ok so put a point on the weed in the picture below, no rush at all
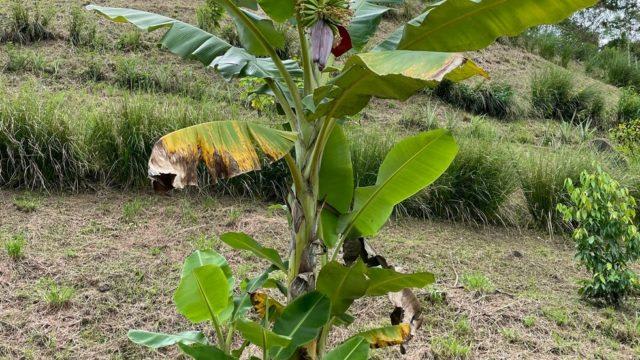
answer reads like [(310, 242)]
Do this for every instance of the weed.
[(203, 241), (95, 70), (422, 119), (529, 321), (511, 335), (82, 29), (496, 100), (26, 203), (209, 15), (449, 347), (435, 295), (131, 209), (55, 295), (477, 282), (130, 41), (27, 25), (15, 246), (628, 105), (462, 327), (558, 315), (23, 60)]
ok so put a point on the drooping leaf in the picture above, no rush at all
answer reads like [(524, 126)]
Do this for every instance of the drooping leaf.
[(410, 166), (207, 257), (242, 241), (159, 340), (259, 336), (383, 281), (191, 42), (364, 23), (301, 320), (336, 172), (278, 10), (228, 149), (456, 26), (342, 284), (388, 75), (202, 294), (204, 352), (259, 300), (386, 336), (356, 348)]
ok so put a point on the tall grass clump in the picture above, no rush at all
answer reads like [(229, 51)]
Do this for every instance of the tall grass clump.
[(473, 189), (628, 105), (26, 24), (495, 99), (622, 70), (82, 29), (542, 177), (209, 16), (554, 96), (38, 147), (24, 60)]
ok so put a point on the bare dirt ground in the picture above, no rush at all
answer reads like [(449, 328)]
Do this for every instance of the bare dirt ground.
[(121, 253)]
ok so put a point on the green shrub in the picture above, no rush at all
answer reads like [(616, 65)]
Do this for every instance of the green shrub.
[(621, 71), (496, 100), (476, 185), (627, 135), (553, 96), (209, 15), (628, 105), (607, 241), (27, 25)]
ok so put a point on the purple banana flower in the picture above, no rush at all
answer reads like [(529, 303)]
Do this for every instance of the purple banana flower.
[(321, 43)]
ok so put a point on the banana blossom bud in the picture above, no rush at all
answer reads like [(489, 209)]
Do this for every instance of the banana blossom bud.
[(321, 43)]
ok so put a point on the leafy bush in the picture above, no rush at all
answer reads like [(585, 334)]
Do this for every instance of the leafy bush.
[(496, 100), (628, 105), (607, 240), (627, 135), (553, 95), (209, 15), (27, 25)]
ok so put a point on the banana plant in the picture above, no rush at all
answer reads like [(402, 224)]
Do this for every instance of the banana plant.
[(339, 69)]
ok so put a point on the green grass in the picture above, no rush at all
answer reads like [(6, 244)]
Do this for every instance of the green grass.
[(55, 295), (558, 315), (26, 203), (628, 105), (449, 348), (15, 246), (477, 282), (492, 99)]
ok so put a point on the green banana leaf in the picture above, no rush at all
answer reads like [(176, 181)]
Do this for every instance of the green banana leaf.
[(384, 281), (203, 294), (356, 348), (387, 75), (301, 320), (456, 26), (228, 149), (260, 336), (207, 257), (159, 340), (342, 284), (204, 352), (336, 171), (364, 23), (278, 10), (242, 241), (411, 165)]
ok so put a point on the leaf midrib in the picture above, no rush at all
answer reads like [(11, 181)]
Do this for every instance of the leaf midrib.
[(304, 318)]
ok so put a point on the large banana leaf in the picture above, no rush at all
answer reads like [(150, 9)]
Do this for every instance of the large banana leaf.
[(342, 284), (278, 10), (465, 25), (336, 171), (248, 38), (228, 149), (202, 294), (260, 336), (207, 257), (367, 15), (356, 348), (388, 75), (301, 320), (410, 166), (191, 42), (159, 340)]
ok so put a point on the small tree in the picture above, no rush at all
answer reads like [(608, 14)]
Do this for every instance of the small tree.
[(606, 238), (328, 214)]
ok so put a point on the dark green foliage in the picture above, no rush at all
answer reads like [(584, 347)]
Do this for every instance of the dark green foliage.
[(495, 99), (27, 25), (554, 96), (623, 71), (627, 135), (607, 241), (628, 105)]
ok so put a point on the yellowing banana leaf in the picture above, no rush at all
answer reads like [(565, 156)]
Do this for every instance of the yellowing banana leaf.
[(456, 26), (228, 149), (387, 336), (388, 75), (411, 165), (259, 301)]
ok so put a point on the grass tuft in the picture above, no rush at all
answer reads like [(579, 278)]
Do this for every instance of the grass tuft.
[(15, 247)]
